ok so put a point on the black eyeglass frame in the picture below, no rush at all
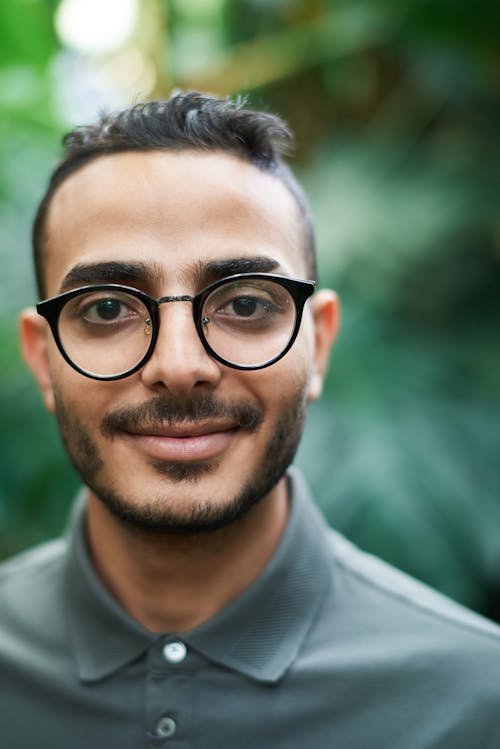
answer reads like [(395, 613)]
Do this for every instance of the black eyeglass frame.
[(298, 289)]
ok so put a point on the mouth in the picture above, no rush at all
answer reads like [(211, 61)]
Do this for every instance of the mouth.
[(183, 442)]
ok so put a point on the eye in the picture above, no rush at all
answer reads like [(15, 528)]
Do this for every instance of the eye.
[(250, 307), (104, 309), (247, 306), (248, 301)]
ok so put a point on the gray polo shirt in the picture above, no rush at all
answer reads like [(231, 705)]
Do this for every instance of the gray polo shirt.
[(329, 647)]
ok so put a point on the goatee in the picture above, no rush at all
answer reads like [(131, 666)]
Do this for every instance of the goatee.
[(159, 514)]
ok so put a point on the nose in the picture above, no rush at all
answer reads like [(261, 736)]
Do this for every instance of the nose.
[(179, 361)]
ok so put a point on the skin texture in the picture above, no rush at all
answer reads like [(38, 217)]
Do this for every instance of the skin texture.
[(184, 459)]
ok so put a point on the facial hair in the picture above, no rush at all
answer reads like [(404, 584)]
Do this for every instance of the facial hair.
[(158, 514)]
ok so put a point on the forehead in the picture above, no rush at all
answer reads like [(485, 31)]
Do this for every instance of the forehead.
[(174, 211)]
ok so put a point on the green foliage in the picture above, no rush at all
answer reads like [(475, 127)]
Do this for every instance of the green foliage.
[(396, 109)]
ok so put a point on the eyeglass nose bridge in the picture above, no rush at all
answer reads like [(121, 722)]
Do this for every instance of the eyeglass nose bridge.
[(183, 298), (153, 322)]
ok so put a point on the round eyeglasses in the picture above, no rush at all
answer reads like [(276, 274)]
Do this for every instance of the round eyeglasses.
[(109, 331)]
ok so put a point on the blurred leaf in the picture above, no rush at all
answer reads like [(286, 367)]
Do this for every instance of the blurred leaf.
[(26, 33)]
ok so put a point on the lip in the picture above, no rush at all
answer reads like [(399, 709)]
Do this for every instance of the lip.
[(183, 443)]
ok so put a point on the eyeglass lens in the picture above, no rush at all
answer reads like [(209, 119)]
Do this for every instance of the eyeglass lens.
[(105, 332), (246, 323)]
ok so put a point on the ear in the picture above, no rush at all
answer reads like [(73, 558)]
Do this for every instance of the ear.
[(325, 308), (34, 334)]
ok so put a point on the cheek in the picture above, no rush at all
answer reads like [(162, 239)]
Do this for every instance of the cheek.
[(298, 364), (284, 383), (307, 354), (81, 398)]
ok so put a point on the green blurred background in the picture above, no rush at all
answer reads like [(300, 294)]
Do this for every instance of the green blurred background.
[(395, 104)]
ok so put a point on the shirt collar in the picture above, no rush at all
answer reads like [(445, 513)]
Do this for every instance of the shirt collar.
[(259, 634), (104, 637)]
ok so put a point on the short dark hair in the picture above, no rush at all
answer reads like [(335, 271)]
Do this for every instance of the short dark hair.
[(188, 120)]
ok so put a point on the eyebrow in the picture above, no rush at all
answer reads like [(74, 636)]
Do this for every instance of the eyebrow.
[(110, 272), (130, 273), (213, 270)]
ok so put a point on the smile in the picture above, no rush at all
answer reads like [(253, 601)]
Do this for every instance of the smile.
[(183, 443)]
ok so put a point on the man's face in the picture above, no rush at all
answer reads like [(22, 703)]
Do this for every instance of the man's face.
[(186, 442)]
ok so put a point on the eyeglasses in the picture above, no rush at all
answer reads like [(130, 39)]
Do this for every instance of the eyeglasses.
[(109, 331)]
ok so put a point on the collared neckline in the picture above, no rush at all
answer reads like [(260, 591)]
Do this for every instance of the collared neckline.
[(259, 634)]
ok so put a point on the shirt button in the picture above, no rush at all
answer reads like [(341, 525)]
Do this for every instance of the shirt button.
[(174, 652), (166, 727)]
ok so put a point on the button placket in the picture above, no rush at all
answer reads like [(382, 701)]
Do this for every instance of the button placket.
[(169, 684)]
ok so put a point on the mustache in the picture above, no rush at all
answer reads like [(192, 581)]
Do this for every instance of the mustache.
[(162, 410)]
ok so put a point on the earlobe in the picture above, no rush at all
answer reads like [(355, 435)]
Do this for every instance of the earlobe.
[(34, 346), (326, 319)]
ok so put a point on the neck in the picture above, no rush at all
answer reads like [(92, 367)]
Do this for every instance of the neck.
[(172, 583)]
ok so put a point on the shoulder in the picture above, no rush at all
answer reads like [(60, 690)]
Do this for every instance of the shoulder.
[(31, 584), (396, 593), (36, 561), (373, 605), (35, 644), (33, 622), (421, 669)]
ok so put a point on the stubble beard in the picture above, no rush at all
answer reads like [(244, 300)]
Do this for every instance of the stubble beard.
[(159, 514)]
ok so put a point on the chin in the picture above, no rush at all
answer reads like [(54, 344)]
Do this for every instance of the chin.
[(195, 516)]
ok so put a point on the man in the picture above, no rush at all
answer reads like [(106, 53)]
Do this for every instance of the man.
[(199, 599)]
